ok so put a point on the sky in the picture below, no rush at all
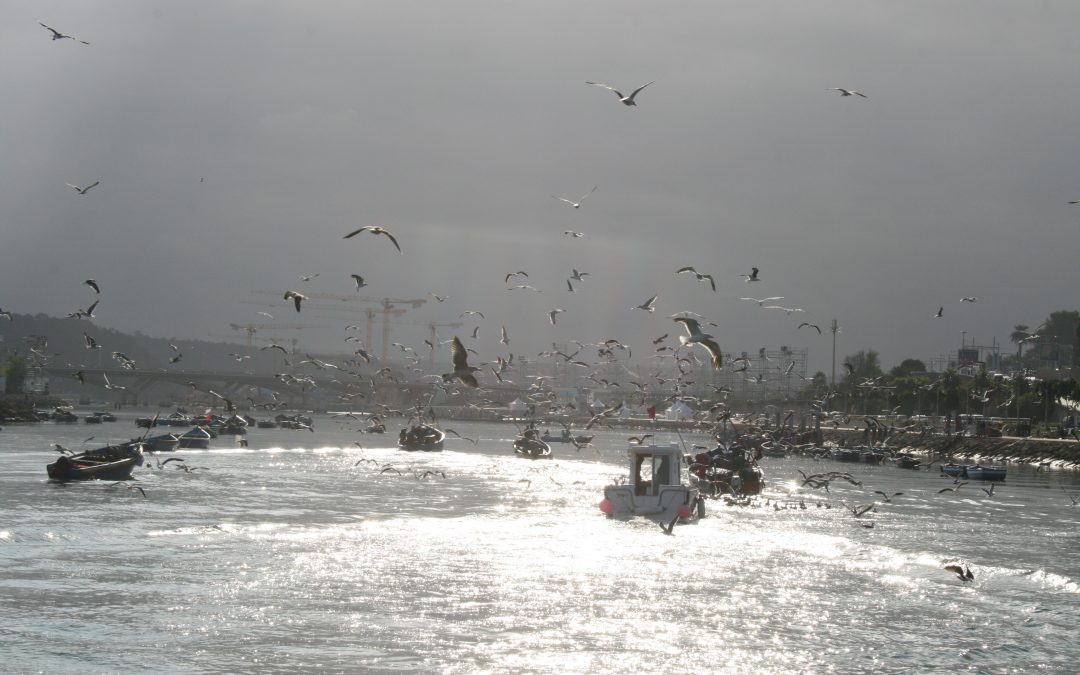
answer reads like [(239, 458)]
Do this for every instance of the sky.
[(237, 142)]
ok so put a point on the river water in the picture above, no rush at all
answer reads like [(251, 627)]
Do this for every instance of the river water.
[(299, 553)]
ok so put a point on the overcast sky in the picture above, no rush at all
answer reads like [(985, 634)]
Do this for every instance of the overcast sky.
[(237, 142)]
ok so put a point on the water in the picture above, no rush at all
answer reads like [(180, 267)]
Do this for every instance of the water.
[(288, 555)]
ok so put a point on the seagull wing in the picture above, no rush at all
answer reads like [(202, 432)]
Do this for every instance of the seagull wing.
[(392, 239), (714, 351), (356, 232), (601, 84), (692, 326), (587, 194), (635, 92), (94, 184), (460, 356), (681, 270)]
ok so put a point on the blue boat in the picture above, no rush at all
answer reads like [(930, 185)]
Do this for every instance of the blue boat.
[(980, 472)]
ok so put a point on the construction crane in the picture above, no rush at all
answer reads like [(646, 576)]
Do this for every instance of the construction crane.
[(388, 308), (251, 328)]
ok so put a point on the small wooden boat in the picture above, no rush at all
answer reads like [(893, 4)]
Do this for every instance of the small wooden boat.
[(721, 472), (531, 447), (655, 487), (421, 437), (113, 462), (980, 472), (93, 418), (198, 438), (162, 443), (908, 462), (953, 470)]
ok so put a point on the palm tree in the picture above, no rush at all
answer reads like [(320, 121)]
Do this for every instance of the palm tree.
[(1019, 334)]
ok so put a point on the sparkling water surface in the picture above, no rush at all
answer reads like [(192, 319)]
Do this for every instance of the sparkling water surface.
[(300, 552)]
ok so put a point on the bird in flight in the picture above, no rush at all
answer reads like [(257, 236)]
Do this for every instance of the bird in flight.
[(573, 235), (753, 276), (847, 92), (110, 386), (295, 297), (554, 313), (469, 312), (940, 313), (360, 283), (375, 229), (971, 299), (519, 273), (649, 305), (92, 284), (577, 204), (761, 302), (57, 35), (439, 298), (812, 325), (83, 190), (462, 370), (699, 275), (964, 573), (268, 315), (625, 100), (578, 276), (307, 277), (697, 337)]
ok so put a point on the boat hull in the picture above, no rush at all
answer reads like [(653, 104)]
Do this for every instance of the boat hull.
[(80, 468), (530, 448)]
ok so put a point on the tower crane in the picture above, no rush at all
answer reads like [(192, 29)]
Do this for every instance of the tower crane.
[(388, 307)]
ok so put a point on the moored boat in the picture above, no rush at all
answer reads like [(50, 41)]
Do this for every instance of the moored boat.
[(530, 446), (721, 472), (655, 487), (421, 437), (113, 462), (564, 437), (162, 443), (197, 437), (980, 472), (908, 461), (953, 470)]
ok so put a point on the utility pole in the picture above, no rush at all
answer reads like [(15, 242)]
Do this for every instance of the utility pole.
[(834, 329)]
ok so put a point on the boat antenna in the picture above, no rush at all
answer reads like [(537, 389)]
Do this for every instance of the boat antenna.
[(681, 441)]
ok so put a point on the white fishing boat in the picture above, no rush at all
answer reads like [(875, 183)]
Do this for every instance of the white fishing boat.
[(655, 488)]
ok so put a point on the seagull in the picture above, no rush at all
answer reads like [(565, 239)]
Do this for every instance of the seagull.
[(83, 190), (888, 498), (700, 276), (789, 310), (648, 305), (471, 311), (268, 315), (295, 297), (761, 302), (553, 313), (990, 492), (524, 287), (572, 234), (570, 286), (753, 276), (110, 386), (375, 229), (130, 487), (812, 325), (964, 574), (57, 35), (940, 313), (92, 284), (308, 277), (462, 370), (578, 276), (669, 529), (697, 337), (80, 376), (6, 315), (847, 92), (505, 337), (360, 283), (971, 299), (438, 298), (521, 273), (577, 204), (639, 440), (91, 343), (625, 100)]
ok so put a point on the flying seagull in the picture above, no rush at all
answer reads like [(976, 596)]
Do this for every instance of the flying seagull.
[(761, 302), (360, 283), (92, 284), (438, 298), (700, 276), (697, 337), (462, 370), (753, 276), (964, 573), (57, 35), (940, 313), (577, 204), (971, 299), (812, 325), (375, 229), (553, 313), (574, 235), (295, 297), (83, 190), (578, 276), (847, 92), (521, 273), (625, 100), (648, 305)]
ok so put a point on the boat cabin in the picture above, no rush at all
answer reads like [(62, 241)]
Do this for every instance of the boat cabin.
[(654, 486)]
